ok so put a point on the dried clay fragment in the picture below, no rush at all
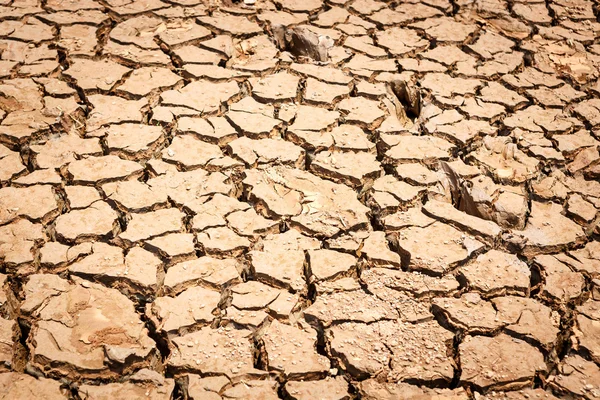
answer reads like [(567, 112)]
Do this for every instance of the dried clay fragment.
[(301, 42)]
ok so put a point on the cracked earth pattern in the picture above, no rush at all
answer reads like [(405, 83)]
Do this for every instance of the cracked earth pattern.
[(188, 211)]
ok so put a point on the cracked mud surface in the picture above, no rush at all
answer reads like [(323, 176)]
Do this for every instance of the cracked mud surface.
[(285, 199)]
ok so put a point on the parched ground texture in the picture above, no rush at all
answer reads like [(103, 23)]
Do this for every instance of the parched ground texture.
[(188, 211)]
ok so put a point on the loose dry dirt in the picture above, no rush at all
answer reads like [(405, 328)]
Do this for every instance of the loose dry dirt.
[(297, 199)]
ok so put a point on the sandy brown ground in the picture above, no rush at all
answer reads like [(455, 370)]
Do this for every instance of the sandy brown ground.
[(195, 206)]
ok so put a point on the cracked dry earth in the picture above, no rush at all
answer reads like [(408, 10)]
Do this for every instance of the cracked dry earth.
[(195, 206)]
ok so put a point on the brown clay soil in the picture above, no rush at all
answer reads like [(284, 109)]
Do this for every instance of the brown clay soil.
[(298, 199)]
